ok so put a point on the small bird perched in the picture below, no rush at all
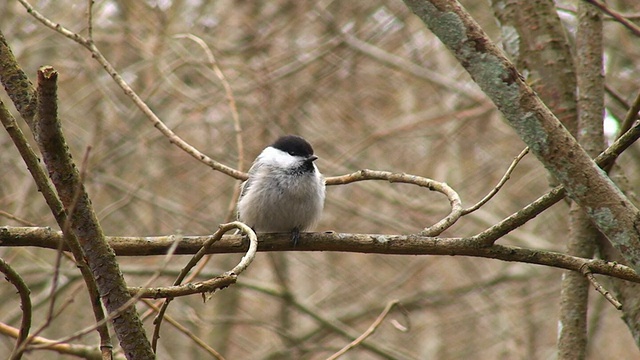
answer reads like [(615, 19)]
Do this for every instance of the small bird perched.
[(285, 191)]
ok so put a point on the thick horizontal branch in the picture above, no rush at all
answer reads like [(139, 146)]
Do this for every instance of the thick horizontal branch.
[(329, 241)]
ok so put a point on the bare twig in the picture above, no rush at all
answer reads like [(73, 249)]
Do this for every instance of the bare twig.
[(198, 341), (616, 15), (206, 286), (500, 184), (372, 328), (573, 11), (80, 351), (586, 271), (90, 4), (617, 97), (441, 187), (52, 292), (334, 325), (631, 116), (51, 314), (17, 219), (490, 235)]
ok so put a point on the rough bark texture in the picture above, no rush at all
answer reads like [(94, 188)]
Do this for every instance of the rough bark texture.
[(18, 86), (572, 339), (624, 291), (23, 94), (83, 221), (572, 327), (534, 38), (614, 215)]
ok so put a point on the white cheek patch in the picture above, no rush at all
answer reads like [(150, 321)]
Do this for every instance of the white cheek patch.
[(273, 156)]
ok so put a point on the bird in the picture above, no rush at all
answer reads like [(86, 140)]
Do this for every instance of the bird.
[(285, 191)]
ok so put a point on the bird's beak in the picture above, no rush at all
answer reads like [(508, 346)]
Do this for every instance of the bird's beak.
[(312, 158)]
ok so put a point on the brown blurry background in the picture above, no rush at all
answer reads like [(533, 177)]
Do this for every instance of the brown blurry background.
[(370, 87)]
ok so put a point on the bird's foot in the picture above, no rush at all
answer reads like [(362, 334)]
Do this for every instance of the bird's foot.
[(295, 236)]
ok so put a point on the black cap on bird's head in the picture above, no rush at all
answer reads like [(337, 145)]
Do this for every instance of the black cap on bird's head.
[(294, 145)]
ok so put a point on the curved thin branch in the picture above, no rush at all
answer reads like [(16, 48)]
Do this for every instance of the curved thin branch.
[(25, 304), (223, 281), (237, 127), (433, 230), (228, 92), (251, 253), (79, 351)]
